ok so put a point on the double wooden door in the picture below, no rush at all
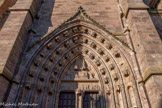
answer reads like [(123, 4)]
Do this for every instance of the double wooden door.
[(90, 100), (67, 100)]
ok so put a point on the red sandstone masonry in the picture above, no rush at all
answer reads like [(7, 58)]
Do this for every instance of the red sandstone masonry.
[(148, 48), (12, 37), (104, 12)]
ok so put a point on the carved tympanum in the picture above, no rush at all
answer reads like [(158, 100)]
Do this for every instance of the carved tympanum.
[(80, 70)]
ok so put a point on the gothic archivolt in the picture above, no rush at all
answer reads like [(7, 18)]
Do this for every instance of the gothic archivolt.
[(82, 59)]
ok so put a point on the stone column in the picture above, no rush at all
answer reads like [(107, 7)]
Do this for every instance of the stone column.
[(148, 51), (79, 98)]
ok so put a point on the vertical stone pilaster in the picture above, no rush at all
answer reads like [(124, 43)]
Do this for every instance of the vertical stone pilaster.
[(13, 36), (79, 98), (148, 48)]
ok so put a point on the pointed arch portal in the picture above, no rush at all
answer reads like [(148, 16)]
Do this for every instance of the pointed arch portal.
[(82, 65)]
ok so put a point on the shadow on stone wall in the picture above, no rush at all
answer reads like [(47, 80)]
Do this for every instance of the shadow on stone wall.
[(157, 20), (41, 23)]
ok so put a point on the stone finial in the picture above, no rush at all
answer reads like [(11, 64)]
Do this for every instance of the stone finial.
[(51, 58), (49, 46), (117, 54), (106, 58), (36, 63), (93, 45), (115, 77), (58, 50), (86, 31), (67, 44), (112, 67), (92, 56), (100, 51), (75, 29), (108, 91), (109, 46), (41, 77), (28, 84), (50, 91), (55, 71), (46, 68), (86, 51), (118, 88), (103, 71), (42, 54), (98, 62), (106, 79), (75, 39), (66, 56), (94, 35), (73, 51), (65, 33), (61, 62), (39, 88), (52, 78), (85, 40), (57, 39), (31, 73), (126, 73), (102, 40)]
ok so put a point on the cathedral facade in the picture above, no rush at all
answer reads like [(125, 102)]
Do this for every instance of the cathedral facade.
[(81, 53)]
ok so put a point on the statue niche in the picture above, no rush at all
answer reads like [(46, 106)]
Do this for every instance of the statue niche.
[(80, 70)]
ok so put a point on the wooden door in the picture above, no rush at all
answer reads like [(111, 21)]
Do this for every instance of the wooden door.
[(67, 100), (91, 100)]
